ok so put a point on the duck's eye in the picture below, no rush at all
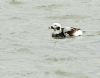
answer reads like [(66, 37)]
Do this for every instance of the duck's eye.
[(58, 28)]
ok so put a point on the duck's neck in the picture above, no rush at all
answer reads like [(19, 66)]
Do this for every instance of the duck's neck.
[(57, 32)]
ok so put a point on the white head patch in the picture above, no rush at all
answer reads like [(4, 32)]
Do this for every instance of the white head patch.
[(56, 27)]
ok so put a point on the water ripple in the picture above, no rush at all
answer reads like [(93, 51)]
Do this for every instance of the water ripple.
[(49, 7), (67, 17), (15, 2), (70, 74)]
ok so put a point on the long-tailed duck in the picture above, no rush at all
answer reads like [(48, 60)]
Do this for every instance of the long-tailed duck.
[(59, 32)]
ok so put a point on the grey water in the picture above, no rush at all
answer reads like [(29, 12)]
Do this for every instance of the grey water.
[(27, 49)]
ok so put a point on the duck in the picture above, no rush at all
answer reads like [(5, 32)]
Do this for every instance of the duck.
[(60, 32)]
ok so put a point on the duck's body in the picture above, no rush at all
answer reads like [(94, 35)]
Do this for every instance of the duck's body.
[(74, 32)]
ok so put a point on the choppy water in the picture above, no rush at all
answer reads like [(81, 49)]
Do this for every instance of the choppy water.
[(27, 49)]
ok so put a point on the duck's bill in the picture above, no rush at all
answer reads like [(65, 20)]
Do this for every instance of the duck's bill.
[(50, 27)]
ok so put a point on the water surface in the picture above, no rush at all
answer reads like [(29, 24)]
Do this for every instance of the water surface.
[(27, 49)]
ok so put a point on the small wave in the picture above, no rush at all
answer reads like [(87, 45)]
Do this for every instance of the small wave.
[(92, 33), (49, 7), (15, 2), (70, 74), (67, 17)]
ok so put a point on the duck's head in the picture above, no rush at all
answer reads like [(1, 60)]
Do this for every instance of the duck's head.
[(56, 27)]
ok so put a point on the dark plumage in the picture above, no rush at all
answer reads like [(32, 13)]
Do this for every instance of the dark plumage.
[(61, 35)]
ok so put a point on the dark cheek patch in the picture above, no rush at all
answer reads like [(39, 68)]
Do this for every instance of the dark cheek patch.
[(58, 28)]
